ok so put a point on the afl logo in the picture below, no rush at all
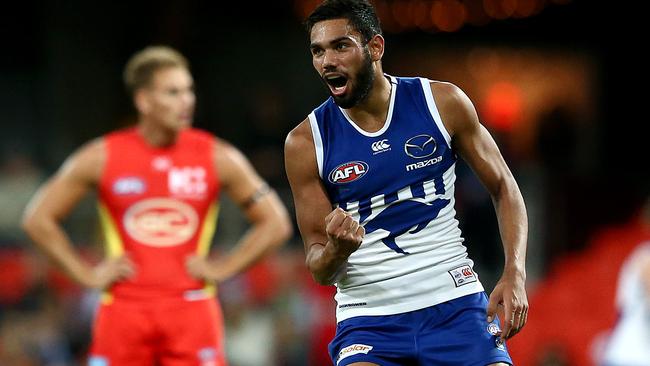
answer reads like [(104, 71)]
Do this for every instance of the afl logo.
[(129, 185), (420, 146), (161, 222), (348, 172)]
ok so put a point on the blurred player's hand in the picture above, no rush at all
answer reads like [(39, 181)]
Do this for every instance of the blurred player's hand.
[(108, 271), (510, 301), (343, 232), (202, 268)]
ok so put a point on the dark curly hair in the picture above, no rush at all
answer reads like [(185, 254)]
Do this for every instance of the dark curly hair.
[(360, 13)]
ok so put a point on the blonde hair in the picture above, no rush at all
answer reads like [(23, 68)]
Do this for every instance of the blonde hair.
[(141, 66)]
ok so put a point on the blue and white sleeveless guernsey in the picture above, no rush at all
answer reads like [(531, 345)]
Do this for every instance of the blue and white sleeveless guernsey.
[(398, 183)]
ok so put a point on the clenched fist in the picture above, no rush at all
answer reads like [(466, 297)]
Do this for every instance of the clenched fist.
[(344, 233)]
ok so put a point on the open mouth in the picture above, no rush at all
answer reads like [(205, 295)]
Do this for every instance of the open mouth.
[(337, 83)]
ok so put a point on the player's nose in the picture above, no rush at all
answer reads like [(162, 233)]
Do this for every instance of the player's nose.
[(329, 60)]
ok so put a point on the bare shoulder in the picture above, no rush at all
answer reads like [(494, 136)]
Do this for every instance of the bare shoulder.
[(455, 107), (227, 156), (299, 150), (236, 173), (445, 92), (87, 162), (223, 149), (299, 138)]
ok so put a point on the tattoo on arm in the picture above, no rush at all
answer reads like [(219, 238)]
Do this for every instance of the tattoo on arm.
[(262, 191)]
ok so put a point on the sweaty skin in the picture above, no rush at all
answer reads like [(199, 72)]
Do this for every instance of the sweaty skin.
[(330, 236)]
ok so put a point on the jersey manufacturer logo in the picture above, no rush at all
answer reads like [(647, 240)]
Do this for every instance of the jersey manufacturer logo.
[(348, 172), (380, 146), (161, 163), (161, 222), (463, 275), (129, 185), (420, 146), (352, 305), (353, 349)]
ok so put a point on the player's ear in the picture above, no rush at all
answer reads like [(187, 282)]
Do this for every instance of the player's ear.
[(141, 101), (376, 47)]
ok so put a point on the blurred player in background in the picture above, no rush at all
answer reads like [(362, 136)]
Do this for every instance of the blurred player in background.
[(629, 342), (158, 185), (381, 151)]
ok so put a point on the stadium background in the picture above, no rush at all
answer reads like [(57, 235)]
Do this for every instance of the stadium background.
[(553, 81)]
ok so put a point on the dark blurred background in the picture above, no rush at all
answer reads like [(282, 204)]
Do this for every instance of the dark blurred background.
[(554, 82)]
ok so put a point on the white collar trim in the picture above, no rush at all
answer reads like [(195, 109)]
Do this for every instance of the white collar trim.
[(389, 117)]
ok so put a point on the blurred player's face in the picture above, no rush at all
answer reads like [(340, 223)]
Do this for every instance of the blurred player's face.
[(169, 99), (343, 61)]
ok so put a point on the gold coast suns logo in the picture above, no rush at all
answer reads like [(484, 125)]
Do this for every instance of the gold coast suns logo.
[(161, 222)]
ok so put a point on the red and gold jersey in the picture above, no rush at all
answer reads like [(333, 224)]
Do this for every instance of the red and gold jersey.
[(159, 206)]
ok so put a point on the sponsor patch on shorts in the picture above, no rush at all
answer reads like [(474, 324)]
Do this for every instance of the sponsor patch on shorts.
[(97, 361), (501, 345), (207, 356), (493, 328), (463, 275), (353, 349)]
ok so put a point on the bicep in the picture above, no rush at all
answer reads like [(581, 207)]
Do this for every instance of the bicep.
[(241, 182), (482, 154), (472, 141), (311, 202), (312, 206), (60, 193)]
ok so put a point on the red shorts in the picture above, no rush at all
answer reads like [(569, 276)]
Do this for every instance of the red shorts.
[(163, 333)]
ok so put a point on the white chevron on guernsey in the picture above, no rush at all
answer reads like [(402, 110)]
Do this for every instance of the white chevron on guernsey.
[(377, 203)]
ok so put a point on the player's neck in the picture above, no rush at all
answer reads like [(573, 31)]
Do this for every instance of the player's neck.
[(157, 136), (370, 115)]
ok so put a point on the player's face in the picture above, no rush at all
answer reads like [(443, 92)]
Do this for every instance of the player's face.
[(343, 61), (169, 100)]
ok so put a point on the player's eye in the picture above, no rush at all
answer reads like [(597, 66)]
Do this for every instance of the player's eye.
[(316, 51)]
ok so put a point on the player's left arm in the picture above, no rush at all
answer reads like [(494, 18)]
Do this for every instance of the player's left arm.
[(644, 271), (270, 223), (473, 142)]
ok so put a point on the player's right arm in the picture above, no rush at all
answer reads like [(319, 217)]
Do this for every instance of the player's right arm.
[(53, 202), (329, 236)]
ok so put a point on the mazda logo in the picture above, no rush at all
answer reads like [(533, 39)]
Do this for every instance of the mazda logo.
[(420, 146)]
